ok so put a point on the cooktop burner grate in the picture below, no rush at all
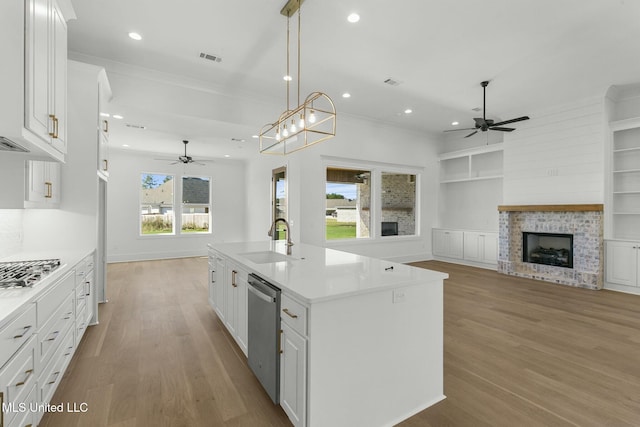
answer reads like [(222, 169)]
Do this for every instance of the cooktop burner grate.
[(21, 274)]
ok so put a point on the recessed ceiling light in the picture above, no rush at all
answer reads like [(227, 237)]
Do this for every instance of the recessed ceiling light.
[(118, 116), (135, 36), (227, 155), (125, 145), (353, 18), (454, 123), (255, 136), (104, 115), (408, 111), (287, 78), (346, 95)]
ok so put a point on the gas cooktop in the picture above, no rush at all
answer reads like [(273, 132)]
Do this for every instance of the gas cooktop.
[(21, 274)]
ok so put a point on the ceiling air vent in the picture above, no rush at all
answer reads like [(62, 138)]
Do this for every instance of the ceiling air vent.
[(214, 58), (391, 82), (476, 109)]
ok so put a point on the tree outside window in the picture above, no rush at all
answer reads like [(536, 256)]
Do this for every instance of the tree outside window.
[(156, 204)]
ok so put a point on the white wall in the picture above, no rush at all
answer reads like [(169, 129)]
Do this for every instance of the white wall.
[(124, 242), (10, 231), (359, 140), (557, 157)]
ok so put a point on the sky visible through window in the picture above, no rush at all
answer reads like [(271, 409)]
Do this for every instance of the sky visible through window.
[(347, 190)]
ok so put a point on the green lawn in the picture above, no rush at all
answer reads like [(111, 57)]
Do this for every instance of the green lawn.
[(340, 230)]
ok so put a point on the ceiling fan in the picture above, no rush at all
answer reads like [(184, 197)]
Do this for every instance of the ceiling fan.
[(187, 159), (483, 124)]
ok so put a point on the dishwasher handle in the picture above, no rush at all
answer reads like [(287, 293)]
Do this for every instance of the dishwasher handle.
[(262, 296)]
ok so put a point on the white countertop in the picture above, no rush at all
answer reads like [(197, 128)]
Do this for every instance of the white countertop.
[(12, 299), (314, 274)]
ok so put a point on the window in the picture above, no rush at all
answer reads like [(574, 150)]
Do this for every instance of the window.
[(397, 204), (156, 204), (375, 201), (196, 202), (158, 213), (279, 200), (348, 193)]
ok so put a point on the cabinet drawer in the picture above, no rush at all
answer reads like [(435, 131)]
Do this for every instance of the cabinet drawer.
[(49, 303), (294, 314), (17, 333), (81, 296), (53, 372), (18, 378), (27, 417), (52, 333)]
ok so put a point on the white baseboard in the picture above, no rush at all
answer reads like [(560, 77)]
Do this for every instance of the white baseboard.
[(151, 256), (621, 288), (486, 266)]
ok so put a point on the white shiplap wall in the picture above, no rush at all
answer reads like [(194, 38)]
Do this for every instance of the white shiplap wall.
[(557, 157)]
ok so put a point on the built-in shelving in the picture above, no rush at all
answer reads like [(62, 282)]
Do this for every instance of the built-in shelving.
[(625, 179), (475, 164)]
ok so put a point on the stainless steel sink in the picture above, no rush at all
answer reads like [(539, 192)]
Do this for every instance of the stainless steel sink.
[(266, 257)]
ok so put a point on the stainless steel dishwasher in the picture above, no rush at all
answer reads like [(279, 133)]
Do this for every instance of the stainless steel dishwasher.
[(264, 334)]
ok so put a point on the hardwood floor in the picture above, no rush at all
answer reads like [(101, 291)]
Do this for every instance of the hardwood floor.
[(518, 352)]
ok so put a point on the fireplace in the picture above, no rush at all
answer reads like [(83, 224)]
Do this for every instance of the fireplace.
[(548, 248), (570, 238)]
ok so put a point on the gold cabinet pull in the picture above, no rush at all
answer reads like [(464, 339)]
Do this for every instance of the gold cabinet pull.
[(24, 332), (53, 338), (233, 278), (54, 380), (49, 190), (54, 120), (288, 313), (105, 166), (21, 383), (105, 128), (280, 342)]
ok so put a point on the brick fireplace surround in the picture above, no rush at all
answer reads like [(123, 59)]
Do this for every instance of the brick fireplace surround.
[(585, 222)]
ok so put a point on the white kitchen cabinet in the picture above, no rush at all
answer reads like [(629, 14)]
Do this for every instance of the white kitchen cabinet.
[(43, 184), (17, 381), (46, 66), (104, 96), (86, 292), (480, 246), (448, 243), (228, 297), (623, 263), (293, 360), (33, 41)]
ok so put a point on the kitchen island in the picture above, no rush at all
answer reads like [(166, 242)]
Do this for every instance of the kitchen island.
[(362, 338)]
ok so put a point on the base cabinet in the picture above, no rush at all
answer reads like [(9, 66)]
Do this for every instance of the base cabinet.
[(293, 374), (478, 248), (623, 263), (448, 243), (37, 345), (228, 296)]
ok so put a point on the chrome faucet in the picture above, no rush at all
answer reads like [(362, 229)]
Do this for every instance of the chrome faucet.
[(287, 233)]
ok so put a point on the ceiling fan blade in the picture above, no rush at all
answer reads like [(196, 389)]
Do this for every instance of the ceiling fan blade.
[(176, 162), (502, 129), (456, 130), (471, 134), (519, 119), (479, 121)]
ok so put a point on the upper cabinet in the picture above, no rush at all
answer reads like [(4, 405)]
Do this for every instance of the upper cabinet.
[(43, 184), (34, 85), (104, 96)]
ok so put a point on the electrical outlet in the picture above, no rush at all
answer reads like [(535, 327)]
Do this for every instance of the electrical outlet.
[(398, 296)]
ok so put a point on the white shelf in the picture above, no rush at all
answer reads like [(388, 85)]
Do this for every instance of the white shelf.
[(625, 150), (624, 172), (479, 178), (627, 171)]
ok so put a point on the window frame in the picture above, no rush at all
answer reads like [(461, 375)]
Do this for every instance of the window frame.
[(177, 206), (375, 228)]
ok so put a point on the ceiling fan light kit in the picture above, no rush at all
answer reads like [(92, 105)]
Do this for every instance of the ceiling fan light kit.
[(483, 124), (310, 122)]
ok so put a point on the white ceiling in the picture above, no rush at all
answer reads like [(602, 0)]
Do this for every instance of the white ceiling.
[(537, 53)]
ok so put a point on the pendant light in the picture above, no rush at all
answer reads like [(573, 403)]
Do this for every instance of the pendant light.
[(310, 122)]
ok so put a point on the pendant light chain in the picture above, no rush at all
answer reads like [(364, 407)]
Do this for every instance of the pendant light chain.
[(299, 79), (288, 77)]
